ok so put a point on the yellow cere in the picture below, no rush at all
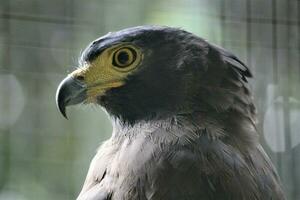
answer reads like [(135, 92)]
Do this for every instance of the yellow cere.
[(109, 70)]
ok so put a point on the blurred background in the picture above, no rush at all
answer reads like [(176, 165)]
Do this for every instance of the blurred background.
[(43, 156)]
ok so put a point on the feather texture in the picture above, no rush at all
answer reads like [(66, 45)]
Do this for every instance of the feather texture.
[(184, 125)]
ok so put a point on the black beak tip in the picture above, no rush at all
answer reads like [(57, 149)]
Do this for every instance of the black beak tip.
[(69, 92), (62, 110), (60, 98), (61, 104)]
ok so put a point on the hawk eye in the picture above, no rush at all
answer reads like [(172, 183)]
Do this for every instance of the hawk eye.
[(124, 57)]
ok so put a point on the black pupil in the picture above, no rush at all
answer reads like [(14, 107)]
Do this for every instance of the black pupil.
[(123, 57)]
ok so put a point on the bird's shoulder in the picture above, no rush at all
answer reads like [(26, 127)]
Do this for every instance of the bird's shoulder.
[(211, 168), (164, 163)]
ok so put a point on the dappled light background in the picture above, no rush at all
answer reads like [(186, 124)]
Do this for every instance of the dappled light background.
[(44, 156)]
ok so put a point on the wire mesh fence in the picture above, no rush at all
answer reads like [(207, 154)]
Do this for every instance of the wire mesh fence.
[(45, 157)]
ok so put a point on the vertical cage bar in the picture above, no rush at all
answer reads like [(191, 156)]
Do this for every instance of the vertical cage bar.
[(298, 24), (287, 109), (249, 29), (275, 67), (6, 137), (71, 192), (223, 23)]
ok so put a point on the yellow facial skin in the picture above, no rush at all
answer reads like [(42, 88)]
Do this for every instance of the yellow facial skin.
[(109, 69)]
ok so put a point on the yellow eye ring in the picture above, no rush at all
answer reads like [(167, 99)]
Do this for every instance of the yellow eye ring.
[(124, 57)]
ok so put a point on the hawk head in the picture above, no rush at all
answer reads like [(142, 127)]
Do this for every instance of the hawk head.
[(149, 72)]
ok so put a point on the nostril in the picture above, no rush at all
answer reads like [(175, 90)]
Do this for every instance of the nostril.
[(80, 78)]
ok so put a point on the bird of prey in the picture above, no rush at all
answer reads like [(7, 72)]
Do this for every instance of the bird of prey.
[(184, 122)]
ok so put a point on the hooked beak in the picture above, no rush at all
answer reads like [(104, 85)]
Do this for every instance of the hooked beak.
[(70, 92)]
